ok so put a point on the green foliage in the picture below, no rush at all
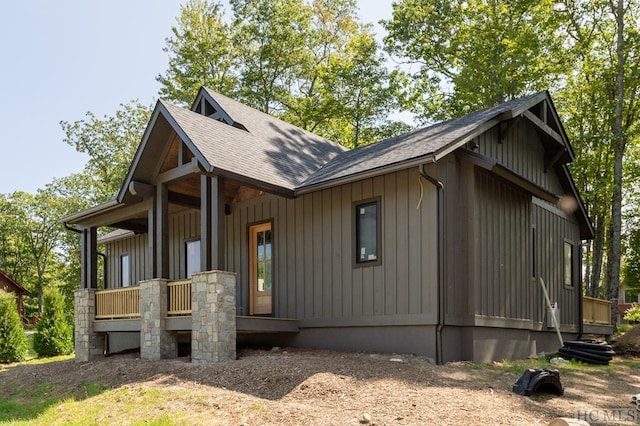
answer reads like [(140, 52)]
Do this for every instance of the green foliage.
[(200, 53), (474, 54), (54, 334), (111, 143), (13, 341), (311, 63), (633, 314)]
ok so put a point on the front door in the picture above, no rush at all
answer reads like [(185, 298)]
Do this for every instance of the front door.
[(260, 269)]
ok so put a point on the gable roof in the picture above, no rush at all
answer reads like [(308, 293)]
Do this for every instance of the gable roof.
[(424, 145), (7, 281), (262, 148), (231, 139)]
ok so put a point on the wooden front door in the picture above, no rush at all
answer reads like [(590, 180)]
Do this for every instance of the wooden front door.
[(260, 269)]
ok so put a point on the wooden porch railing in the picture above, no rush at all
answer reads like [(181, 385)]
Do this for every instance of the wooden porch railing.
[(596, 311), (118, 303), (179, 298)]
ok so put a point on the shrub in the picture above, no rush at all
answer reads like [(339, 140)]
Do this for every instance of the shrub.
[(633, 314), (54, 334), (13, 341)]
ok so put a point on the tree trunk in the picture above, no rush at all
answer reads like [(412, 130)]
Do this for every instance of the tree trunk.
[(598, 254), (613, 257)]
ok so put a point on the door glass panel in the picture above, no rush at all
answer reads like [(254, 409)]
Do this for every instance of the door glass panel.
[(267, 239), (260, 245), (267, 276), (264, 273)]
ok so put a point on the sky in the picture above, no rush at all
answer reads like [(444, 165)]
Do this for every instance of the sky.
[(63, 58)]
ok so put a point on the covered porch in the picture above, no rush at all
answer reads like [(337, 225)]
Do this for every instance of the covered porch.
[(162, 291), (119, 310)]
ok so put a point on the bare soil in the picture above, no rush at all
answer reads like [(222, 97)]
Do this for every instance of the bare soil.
[(295, 386), (629, 342)]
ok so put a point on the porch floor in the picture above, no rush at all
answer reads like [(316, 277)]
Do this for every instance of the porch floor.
[(244, 324)]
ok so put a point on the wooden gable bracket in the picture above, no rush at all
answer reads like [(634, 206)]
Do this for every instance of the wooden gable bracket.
[(552, 158), (141, 189), (505, 128), (543, 126)]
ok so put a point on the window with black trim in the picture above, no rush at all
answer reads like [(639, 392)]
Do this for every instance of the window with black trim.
[(125, 270), (367, 229), (568, 264), (192, 257)]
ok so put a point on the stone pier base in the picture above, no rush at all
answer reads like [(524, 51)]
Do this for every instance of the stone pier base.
[(155, 342), (89, 345), (213, 315)]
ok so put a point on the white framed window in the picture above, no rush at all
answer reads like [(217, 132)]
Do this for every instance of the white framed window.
[(125, 270), (192, 257)]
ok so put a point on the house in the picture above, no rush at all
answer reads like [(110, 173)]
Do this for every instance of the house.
[(9, 285), (433, 242)]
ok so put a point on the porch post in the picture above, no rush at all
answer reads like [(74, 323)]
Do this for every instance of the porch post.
[(155, 341), (89, 258), (162, 231), (212, 233), (213, 317), (89, 345), (150, 266)]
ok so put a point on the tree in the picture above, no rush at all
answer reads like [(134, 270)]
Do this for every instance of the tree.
[(201, 53), (474, 54), (111, 143), (54, 334), (13, 342), (601, 110), (311, 63)]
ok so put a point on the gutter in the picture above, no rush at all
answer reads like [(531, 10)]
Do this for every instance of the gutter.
[(440, 293)]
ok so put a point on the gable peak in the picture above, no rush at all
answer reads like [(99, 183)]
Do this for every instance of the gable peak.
[(206, 105)]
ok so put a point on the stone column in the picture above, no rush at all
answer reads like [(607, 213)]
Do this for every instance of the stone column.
[(213, 316), (155, 342), (88, 344)]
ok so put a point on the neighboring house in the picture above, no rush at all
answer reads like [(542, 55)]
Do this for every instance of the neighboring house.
[(625, 302), (9, 285), (431, 242)]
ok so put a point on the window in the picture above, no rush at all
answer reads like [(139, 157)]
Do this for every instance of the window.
[(568, 264), (192, 257), (367, 228), (125, 268)]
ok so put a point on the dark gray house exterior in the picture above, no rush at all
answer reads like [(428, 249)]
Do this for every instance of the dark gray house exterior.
[(431, 242)]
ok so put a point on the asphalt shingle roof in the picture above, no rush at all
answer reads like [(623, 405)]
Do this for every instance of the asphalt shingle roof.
[(419, 143), (271, 150)]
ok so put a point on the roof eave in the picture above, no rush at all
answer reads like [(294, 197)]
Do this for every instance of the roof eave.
[(90, 212)]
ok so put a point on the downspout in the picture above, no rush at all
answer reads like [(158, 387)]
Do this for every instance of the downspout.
[(580, 299), (440, 289)]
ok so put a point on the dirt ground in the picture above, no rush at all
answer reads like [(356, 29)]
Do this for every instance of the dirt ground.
[(294, 386)]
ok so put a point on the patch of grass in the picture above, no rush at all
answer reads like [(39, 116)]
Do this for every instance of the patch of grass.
[(31, 354)]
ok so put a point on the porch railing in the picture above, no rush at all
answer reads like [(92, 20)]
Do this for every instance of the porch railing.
[(118, 303), (596, 311), (179, 298)]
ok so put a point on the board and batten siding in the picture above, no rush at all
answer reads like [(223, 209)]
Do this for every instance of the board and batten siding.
[(522, 151), (502, 262), (314, 273), (552, 229), (183, 226), (519, 239), (136, 246)]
